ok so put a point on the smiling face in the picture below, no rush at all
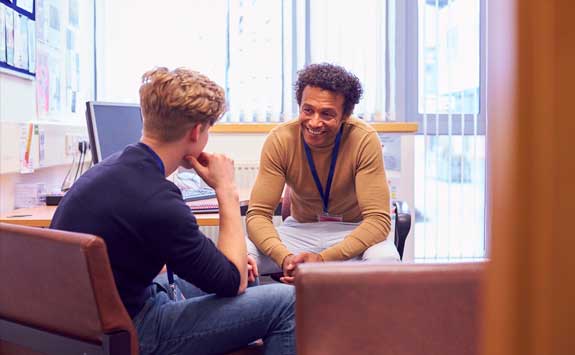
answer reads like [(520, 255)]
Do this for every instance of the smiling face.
[(320, 115)]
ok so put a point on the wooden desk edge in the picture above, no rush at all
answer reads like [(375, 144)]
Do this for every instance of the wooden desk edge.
[(41, 216), (203, 219), (26, 221)]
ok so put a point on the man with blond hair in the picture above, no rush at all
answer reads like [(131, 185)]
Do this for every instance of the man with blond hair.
[(127, 200)]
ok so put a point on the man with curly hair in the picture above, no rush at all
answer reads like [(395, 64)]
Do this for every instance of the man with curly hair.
[(127, 200), (333, 165)]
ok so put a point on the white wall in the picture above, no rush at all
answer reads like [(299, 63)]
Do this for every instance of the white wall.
[(17, 99), (240, 147), (18, 108)]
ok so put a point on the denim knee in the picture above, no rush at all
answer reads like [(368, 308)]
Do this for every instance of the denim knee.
[(283, 298)]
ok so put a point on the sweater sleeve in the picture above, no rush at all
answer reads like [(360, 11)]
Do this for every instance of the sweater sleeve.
[(190, 254), (373, 197), (264, 198)]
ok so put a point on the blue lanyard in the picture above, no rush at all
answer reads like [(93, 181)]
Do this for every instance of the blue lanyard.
[(334, 153), (160, 164), (156, 157)]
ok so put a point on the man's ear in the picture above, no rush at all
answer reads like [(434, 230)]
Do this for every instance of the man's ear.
[(193, 134)]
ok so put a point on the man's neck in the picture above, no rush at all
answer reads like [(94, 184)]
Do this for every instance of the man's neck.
[(168, 153)]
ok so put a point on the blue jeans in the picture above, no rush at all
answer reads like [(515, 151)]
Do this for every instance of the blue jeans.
[(208, 324)]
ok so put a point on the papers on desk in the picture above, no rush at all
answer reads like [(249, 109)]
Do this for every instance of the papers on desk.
[(209, 205)]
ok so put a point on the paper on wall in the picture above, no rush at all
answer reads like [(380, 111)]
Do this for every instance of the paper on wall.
[(20, 41), (42, 21), (54, 22), (391, 145), (9, 25), (42, 84), (55, 83), (31, 46), (73, 13), (2, 33)]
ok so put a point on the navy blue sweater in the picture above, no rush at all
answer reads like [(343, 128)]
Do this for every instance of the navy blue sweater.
[(141, 216)]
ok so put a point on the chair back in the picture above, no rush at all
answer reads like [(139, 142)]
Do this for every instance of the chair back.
[(407, 309), (58, 287), (402, 224)]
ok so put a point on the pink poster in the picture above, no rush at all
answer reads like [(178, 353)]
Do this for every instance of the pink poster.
[(42, 83)]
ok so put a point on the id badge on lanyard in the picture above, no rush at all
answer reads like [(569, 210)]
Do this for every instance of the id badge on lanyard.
[(174, 291), (325, 216)]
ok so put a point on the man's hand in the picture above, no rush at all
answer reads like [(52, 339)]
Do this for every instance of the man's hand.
[(288, 267), (307, 258), (252, 269), (217, 170), (292, 261)]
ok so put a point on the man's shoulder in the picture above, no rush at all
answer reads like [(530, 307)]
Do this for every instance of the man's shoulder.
[(359, 126), (286, 130), (128, 175)]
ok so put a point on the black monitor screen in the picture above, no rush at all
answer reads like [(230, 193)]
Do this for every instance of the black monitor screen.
[(112, 127)]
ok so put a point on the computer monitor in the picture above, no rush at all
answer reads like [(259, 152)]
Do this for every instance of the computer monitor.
[(111, 127)]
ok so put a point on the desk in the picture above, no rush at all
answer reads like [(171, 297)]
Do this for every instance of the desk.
[(41, 216)]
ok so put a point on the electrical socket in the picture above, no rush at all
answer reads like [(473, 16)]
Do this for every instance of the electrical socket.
[(72, 141)]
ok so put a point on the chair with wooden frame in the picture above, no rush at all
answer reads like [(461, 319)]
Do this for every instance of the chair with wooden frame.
[(59, 296)]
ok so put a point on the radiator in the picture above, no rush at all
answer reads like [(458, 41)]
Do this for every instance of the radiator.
[(246, 173)]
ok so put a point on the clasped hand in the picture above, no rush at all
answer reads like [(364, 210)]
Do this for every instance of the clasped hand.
[(292, 261)]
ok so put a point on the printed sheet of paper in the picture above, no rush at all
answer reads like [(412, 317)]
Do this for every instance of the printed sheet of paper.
[(9, 25), (3, 33), (391, 145), (20, 41)]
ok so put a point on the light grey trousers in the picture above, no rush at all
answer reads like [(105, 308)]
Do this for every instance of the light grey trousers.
[(314, 238)]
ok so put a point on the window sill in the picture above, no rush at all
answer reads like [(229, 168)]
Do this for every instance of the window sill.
[(381, 127)]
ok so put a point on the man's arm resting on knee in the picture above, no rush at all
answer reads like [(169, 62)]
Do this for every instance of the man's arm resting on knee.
[(266, 194), (358, 241), (231, 241)]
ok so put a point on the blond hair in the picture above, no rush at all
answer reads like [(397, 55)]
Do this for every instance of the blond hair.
[(174, 101)]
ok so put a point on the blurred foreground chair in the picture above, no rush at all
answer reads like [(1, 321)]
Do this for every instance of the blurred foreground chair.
[(374, 308), (59, 296)]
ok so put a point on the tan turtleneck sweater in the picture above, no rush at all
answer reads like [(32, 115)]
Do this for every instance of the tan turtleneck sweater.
[(359, 190)]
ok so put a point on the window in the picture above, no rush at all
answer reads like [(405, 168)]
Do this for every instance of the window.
[(238, 44), (447, 99), (252, 48), (355, 37), (255, 65), (135, 36)]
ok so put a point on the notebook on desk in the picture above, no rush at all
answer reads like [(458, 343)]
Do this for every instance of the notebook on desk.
[(209, 205)]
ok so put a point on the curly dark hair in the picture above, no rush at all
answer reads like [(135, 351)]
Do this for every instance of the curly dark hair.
[(333, 78)]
